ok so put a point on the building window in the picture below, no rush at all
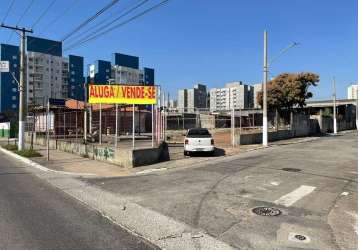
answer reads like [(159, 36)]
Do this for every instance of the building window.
[(107, 70), (13, 98), (72, 72), (14, 89), (13, 106), (72, 65), (72, 80), (15, 65), (14, 57)]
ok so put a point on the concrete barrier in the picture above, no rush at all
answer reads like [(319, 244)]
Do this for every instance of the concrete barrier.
[(128, 158), (256, 138)]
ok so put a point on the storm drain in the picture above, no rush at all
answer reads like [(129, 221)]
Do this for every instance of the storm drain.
[(266, 211), (300, 237), (291, 169)]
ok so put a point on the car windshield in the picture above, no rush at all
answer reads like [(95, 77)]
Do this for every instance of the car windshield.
[(199, 132)]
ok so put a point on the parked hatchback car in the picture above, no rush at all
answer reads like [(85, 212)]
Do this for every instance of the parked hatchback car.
[(198, 140)]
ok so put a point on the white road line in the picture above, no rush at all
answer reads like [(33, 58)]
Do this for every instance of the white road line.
[(297, 194)]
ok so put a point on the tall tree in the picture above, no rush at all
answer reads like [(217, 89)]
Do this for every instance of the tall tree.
[(289, 90)]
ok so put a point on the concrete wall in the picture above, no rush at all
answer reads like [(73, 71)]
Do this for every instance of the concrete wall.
[(207, 121), (326, 124), (302, 126), (122, 157)]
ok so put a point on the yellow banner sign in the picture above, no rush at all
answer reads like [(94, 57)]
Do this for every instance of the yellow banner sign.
[(122, 94)]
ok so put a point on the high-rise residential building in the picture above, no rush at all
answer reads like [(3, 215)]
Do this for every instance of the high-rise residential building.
[(9, 95), (234, 95), (123, 69), (257, 88), (353, 91), (190, 100), (182, 100), (49, 74)]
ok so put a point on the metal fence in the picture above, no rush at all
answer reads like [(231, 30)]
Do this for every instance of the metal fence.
[(114, 127)]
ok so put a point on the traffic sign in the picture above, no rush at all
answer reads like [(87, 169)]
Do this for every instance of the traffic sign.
[(57, 102), (4, 66)]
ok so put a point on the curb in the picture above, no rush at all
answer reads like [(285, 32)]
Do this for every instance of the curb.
[(39, 166), (158, 229)]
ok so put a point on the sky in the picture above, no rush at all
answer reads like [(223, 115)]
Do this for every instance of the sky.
[(209, 41)]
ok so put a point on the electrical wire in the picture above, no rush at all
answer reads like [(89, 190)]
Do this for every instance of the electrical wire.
[(21, 17), (83, 24), (62, 14), (108, 23), (80, 43), (8, 11), (43, 13)]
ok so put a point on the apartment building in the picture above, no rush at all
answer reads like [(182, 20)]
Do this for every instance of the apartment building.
[(9, 95), (257, 88), (182, 100), (353, 92), (234, 95), (49, 74), (123, 69), (190, 100)]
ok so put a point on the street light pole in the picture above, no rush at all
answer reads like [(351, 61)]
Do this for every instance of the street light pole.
[(334, 107), (22, 85), (264, 85), (264, 88)]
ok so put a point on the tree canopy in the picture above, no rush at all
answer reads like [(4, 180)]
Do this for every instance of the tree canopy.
[(289, 90)]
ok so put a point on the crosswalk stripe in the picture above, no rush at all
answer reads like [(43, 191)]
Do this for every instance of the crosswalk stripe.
[(297, 194)]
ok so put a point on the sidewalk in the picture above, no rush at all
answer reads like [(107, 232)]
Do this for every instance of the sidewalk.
[(75, 164)]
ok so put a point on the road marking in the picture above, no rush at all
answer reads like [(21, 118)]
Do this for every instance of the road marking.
[(297, 194), (151, 170), (345, 193), (274, 183)]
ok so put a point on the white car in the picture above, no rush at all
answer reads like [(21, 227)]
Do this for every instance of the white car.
[(198, 140)]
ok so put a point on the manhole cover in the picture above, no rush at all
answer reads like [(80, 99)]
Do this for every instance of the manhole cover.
[(266, 211), (300, 237), (291, 169)]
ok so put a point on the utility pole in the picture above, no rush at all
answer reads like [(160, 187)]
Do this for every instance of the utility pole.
[(264, 88), (334, 107), (85, 113), (23, 83), (357, 112)]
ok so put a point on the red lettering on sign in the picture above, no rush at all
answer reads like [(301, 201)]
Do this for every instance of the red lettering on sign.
[(92, 91)]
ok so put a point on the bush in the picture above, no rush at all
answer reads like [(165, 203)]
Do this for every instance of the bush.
[(28, 153), (10, 147), (25, 153)]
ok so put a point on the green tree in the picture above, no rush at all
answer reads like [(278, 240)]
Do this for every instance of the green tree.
[(289, 90)]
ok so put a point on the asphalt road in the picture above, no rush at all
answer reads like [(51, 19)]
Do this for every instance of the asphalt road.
[(35, 215), (317, 195)]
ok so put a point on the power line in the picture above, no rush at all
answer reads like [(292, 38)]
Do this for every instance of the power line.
[(83, 24), (80, 43), (108, 23), (21, 17), (43, 13), (57, 18), (8, 11)]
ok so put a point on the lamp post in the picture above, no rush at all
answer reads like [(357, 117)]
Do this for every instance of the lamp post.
[(334, 107), (266, 66)]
